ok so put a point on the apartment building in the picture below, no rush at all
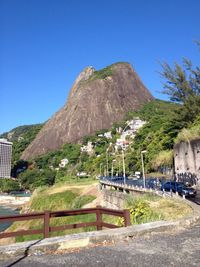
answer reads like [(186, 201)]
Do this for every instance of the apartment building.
[(5, 158)]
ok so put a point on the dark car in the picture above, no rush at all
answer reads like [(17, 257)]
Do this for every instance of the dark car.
[(153, 183), (180, 188)]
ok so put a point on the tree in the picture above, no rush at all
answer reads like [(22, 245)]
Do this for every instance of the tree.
[(31, 179), (183, 86)]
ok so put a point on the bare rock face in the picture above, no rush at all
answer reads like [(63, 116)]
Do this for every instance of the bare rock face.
[(97, 100)]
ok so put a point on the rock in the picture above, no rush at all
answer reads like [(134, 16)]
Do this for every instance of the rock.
[(97, 100)]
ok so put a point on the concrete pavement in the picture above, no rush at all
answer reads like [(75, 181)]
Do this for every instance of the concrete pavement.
[(156, 250)]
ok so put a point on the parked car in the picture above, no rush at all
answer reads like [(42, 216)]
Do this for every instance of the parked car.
[(180, 188), (153, 183)]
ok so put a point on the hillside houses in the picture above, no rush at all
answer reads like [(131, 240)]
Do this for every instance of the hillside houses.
[(128, 132)]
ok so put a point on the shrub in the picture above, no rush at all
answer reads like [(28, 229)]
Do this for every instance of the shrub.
[(8, 185), (140, 212), (164, 158)]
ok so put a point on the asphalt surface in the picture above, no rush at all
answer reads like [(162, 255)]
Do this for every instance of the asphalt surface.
[(177, 249)]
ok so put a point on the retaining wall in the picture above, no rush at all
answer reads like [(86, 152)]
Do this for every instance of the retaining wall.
[(115, 199), (187, 158)]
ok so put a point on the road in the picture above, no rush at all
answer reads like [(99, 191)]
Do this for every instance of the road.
[(174, 249)]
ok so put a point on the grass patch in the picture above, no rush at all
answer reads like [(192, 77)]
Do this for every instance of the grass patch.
[(53, 202), (149, 208), (43, 199), (171, 209), (79, 202), (192, 133), (77, 181)]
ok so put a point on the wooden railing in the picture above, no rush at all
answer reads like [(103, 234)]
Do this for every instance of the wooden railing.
[(47, 215)]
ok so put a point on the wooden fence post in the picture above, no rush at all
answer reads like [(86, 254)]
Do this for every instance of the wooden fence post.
[(46, 223), (127, 218), (99, 218)]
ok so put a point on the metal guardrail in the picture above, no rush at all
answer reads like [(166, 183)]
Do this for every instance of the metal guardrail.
[(128, 187), (47, 215)]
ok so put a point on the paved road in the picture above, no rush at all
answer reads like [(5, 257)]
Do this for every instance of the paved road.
[(180, 249)]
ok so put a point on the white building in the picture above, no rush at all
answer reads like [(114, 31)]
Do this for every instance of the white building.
[(121, 143), (5, 158), (136, 124), (88, 148), (108, 135), (129, 131), (63, 163)]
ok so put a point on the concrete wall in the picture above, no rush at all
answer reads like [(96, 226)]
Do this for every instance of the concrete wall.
[(187, 158), (115, 199)]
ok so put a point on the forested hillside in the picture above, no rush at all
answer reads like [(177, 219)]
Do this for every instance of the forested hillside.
[(155, 136), (21, 137)]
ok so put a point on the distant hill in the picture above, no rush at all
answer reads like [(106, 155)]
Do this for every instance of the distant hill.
[(97, 100), (22, 132), (21, 137)]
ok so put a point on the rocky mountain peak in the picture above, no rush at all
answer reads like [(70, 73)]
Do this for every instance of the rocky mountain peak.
[(83, 76), (97, 99)]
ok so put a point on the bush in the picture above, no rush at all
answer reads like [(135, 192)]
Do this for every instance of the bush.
[(140, 211), (31, 179), (187, 135), (8, 185), (163, 158)]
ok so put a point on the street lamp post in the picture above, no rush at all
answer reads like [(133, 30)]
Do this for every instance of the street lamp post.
[(105, 169), (100, 168), (143, 174), (107, 174), (123, 162), (112, 168)]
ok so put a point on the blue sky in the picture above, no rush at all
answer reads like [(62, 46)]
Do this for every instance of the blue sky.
[(44, 44)]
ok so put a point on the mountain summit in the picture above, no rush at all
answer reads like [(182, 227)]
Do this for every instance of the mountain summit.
[(97, 99)]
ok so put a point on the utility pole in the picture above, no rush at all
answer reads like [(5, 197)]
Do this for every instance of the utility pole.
[(112, 168), (107, 174), (123, 163), (100, 168), (143, 173)]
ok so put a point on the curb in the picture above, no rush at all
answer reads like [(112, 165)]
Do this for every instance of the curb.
[(38, 247)]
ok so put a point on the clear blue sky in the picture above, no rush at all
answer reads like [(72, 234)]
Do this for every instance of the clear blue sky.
[(44, 44)]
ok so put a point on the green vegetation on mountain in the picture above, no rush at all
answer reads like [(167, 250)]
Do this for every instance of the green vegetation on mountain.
[(22, 132), (21, 137), (105, 72), (155, 136)]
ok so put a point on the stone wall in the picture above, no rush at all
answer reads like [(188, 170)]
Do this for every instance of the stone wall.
[(187, 158), (114, 199)]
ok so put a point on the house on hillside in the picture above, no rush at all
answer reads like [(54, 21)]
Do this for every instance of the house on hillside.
[(63, 163), (88, 148)]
